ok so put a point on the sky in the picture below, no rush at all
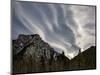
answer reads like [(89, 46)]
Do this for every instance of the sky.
[(64, 27)]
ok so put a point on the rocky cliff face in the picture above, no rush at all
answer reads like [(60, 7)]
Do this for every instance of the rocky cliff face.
[(31, 54)]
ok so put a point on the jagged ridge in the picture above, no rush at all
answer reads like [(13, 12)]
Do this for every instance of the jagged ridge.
[(32, 54), (35, 55)]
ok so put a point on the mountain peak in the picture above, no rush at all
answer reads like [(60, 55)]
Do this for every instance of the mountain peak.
[(32, 49), (32, 54)]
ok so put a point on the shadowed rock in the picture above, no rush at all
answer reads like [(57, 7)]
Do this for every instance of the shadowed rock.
[(31, 54), (35, 55), (85, 60)]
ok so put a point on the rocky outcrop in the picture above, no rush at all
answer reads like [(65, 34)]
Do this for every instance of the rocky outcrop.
[(31, 54)]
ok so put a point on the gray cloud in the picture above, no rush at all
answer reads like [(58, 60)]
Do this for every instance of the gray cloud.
[(64, 27)]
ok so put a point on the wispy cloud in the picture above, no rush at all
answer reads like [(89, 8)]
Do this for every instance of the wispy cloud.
[(64, 27)]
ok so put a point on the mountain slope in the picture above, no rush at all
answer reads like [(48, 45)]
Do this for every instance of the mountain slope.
[(32, 54), (85, 60)]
